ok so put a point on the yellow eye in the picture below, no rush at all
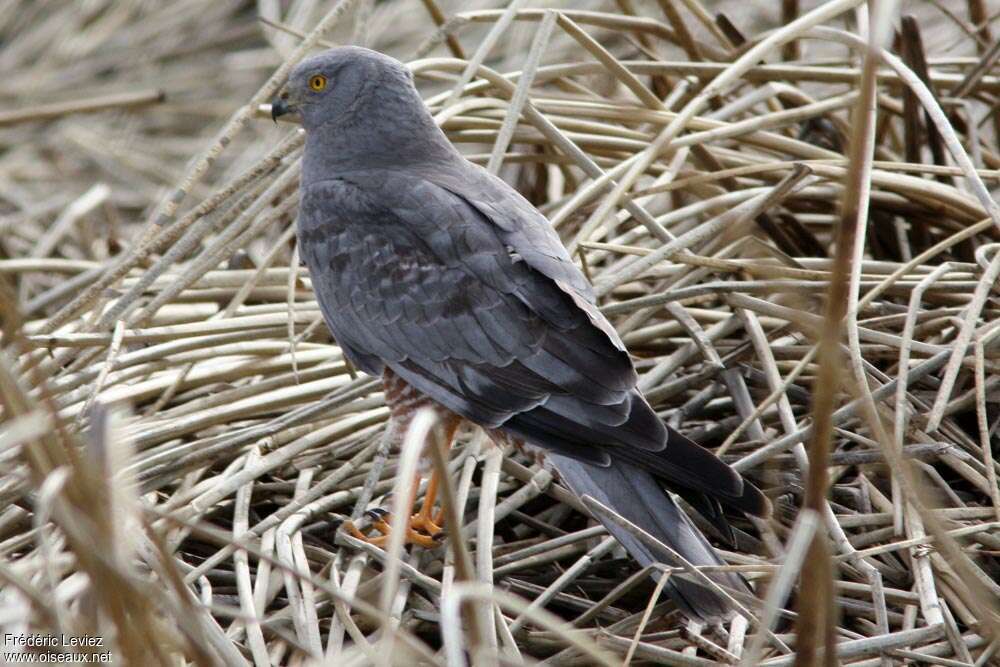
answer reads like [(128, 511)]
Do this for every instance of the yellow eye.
[(317, 82)]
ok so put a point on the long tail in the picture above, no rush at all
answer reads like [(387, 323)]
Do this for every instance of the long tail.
[(637, 496)]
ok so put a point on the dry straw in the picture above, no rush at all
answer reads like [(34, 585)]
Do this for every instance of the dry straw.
[(718, 180)]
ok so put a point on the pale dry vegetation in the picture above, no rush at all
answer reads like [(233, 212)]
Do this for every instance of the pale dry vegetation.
[(796, 234)]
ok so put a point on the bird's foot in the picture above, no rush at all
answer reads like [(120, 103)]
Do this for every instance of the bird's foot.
[(423, 521), (420, 530)]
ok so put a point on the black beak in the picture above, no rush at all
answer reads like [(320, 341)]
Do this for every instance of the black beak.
[(279, 107)]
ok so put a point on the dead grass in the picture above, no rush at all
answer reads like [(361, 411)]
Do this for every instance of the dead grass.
[(715, 190)]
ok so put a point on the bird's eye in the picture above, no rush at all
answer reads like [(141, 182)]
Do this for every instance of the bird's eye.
[(317, 82)]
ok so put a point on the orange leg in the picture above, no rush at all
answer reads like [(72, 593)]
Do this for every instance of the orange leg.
[(412, 536), (422, 520), (424, 527)]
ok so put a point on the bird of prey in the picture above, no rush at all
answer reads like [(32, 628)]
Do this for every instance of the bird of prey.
[(441, 279)]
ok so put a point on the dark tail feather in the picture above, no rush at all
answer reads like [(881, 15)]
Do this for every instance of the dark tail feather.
[(685, 463), (636, 495)]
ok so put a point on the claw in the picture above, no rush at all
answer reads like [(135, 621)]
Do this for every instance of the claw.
[(422, 522), (353, 530), (420, 532), (423, 528), (426, 541)]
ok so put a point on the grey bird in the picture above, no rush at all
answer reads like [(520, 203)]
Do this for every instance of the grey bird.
[(439, 277)]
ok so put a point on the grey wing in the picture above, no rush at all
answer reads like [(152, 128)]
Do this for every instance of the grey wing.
[(479, 307), (525, 231), (411, 276)]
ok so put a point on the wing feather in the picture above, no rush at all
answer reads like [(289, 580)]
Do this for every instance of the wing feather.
[(475, 302), (426, 274)]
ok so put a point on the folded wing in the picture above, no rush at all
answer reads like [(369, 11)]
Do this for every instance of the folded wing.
[(462, 288)]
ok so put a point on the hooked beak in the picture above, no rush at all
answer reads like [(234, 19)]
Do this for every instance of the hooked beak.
[(280, 107)]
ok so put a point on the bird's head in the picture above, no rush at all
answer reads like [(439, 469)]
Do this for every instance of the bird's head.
[(334, 84), (359, 109)]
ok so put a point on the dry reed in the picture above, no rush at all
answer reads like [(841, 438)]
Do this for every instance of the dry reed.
[(717, 180)]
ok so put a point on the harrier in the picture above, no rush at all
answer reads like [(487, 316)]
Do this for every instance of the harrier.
[(438, 277)]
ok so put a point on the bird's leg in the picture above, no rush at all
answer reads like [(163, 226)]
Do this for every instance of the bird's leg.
[(422, 528), (426, 519), (383, 524), (379, 525), (422, 520)]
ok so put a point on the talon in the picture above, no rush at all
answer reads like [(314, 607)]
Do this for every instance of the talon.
[(382, 527), (379, 541), (421, 532), (426, 541), (353, 530), (421, 522), (422, 528)]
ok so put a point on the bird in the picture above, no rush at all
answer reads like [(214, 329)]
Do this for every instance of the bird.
[(439, 277)]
